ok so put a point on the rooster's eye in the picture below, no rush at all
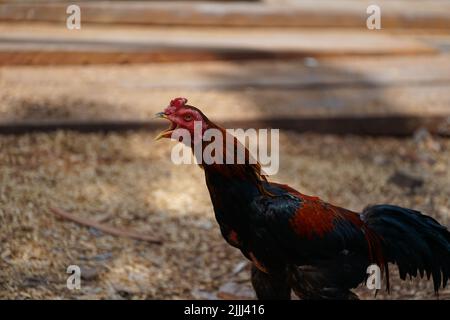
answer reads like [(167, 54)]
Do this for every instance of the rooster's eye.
[(188, 117)]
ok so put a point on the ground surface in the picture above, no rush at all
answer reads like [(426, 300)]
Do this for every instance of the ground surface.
[(127, 180)]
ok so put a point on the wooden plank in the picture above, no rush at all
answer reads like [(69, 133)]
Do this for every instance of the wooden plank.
[(394, 125), (332, 87), (307, 74), (56, 45), (309, 13)]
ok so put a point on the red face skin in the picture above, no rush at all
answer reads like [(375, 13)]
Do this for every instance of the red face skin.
[(181, 116)]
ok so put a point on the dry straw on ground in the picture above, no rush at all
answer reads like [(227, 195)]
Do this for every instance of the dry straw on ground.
[(127, 181)]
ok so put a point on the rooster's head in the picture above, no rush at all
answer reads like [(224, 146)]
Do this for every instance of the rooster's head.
[(182, 116)]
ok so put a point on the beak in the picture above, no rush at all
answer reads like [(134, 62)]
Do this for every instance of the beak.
[(166, 133), (160, 115)]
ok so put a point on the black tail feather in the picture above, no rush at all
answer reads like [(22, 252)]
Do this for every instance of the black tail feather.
[(417, 243)]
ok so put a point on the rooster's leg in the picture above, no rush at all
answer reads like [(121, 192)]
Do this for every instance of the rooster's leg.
[(310, 283), (270, 286)]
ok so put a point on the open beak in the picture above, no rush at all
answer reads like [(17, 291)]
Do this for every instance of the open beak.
[(168, 132)]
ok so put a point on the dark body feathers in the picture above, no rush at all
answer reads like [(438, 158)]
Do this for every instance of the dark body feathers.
[(320, 251)]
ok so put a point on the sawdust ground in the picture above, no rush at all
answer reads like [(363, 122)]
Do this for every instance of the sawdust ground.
[(127, 180)]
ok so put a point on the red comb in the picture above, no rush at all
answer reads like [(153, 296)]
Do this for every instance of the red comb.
[(175, 104), (178, 102)]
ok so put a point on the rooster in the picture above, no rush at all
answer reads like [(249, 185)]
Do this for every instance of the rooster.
[(302, 244)]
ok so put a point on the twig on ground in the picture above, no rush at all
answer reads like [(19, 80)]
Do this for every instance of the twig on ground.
[(104, 228)]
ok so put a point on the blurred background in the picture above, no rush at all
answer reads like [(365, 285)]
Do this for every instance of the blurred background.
[(364, 118)]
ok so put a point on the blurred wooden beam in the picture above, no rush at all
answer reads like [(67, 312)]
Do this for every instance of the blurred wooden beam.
[(432, 14), (53, 45), (392, 125)]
